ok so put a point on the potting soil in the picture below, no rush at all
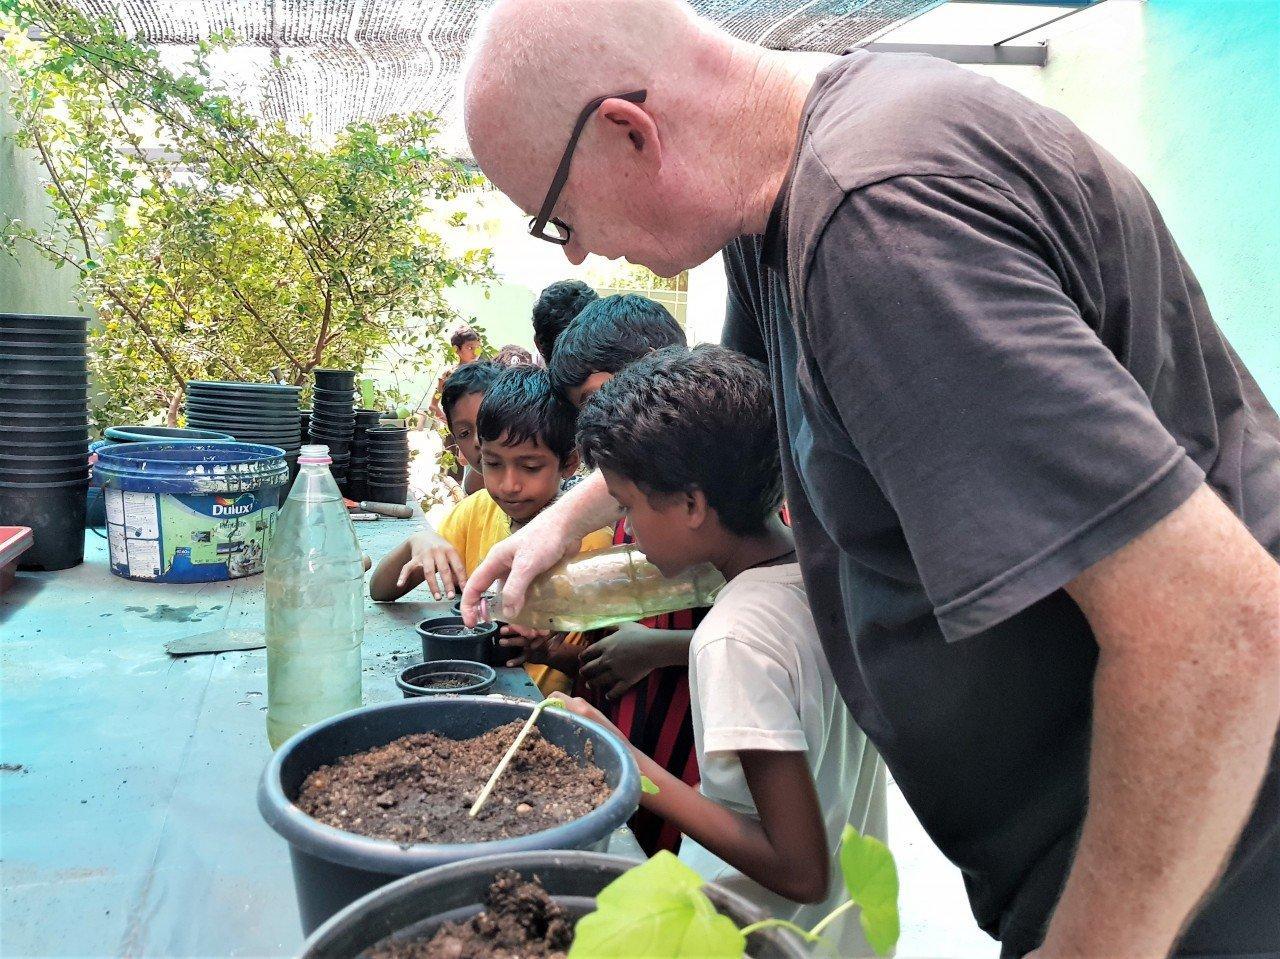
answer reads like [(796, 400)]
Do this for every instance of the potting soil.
[(419, 788), (446, 681), (520, 921)]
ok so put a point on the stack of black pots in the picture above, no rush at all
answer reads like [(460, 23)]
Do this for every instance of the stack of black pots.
[(333, 418), (387, 464), (44, 435), (264, 413), (304, 420), (358, 477)]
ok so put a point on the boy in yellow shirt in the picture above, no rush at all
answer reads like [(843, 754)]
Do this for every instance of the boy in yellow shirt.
[(526, 437)]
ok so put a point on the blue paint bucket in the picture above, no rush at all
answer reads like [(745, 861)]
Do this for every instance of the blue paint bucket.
[(189, 512)]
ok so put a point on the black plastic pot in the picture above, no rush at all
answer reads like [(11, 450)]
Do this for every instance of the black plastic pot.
[(43, 362), (284, 416), (335, 379), (18, 435), (441, 640), (417, 906), (68, 417), (24, 379), (331, 868), (55, 512), (42, 444), (42, 321)]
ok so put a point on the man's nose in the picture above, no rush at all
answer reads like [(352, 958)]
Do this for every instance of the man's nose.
[(574, 253)]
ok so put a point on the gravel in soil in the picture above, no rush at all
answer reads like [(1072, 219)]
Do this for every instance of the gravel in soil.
[(419, 788), (445, 681), (520, 921)]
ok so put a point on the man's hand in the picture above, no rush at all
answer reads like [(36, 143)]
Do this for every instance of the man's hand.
[(620, 660), (433, 561)]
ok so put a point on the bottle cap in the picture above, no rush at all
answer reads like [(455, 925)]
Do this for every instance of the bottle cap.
[(317, 455)]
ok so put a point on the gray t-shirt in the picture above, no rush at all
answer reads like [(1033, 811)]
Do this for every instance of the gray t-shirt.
[(992, 368)]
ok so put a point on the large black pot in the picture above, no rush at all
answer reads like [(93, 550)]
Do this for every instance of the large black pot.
[(55, 512), (61, 363), (68, 417), (42, 321), (331, 868), (417, 906)]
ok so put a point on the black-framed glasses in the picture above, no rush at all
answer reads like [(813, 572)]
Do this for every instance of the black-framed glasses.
[(544, 226)]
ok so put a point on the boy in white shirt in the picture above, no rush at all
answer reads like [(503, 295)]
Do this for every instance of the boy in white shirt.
[(687, 444)]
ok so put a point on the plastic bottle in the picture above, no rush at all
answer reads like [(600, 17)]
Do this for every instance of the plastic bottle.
[(606, 587), (315, 604)]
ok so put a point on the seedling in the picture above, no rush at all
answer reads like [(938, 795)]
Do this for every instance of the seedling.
[(659, 909), (506, 757)]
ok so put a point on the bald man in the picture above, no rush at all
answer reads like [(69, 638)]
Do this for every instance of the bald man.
[(1036, 494)]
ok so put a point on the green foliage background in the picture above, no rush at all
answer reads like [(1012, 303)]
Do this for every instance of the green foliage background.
[(214, 245)]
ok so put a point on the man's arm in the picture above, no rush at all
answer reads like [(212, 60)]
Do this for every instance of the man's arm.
[(552, 535), (1186, 703)]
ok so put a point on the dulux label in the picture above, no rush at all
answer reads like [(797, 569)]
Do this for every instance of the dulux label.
[(234, 505)]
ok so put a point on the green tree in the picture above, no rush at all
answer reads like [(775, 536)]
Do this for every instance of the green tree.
[(212, 244)]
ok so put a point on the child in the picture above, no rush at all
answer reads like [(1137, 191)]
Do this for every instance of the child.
[(687, 445), (460, 401), (526, 451), (607, 335), (638, 675), (557, 305)]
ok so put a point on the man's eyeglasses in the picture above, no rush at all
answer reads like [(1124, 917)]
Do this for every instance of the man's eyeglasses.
[(544, 226)]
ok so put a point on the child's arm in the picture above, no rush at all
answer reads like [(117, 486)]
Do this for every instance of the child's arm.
[(785, 850), (415, 561), (620, 660)]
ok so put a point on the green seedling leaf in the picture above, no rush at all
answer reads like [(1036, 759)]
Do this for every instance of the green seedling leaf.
[(552, 704), (656, 909), (871, 876), (648, 786)]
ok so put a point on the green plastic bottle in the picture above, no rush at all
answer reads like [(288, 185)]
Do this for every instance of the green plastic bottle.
[(315, 604), (606, 587)]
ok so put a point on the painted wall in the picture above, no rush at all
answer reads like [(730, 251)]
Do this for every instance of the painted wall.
[(1187, 93), (28, 284)]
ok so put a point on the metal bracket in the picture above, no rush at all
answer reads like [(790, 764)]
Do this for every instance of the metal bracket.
[(1033, 55)]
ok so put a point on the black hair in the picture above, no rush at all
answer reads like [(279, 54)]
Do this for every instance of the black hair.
[(608, 335), (520, 406), (557, 305), (680, 420), (463, 334), (469, 378)]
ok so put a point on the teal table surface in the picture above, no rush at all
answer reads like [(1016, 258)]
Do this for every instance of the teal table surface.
[(128, 823)]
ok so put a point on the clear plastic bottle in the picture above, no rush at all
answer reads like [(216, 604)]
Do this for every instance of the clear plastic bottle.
[(606, 587), (315, 604)]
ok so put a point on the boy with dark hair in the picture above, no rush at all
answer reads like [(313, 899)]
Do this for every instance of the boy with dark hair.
[(686, 442), (526, 447), (466, 343), (460, 401), (557, 305), (605, 337)]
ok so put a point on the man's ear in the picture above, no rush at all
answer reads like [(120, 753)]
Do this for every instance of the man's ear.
[(624, 119), (570, 464)]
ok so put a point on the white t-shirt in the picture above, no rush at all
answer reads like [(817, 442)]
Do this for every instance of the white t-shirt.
[(759, 681)]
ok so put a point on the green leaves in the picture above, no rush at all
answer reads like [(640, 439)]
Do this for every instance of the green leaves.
[(871, 876), (656, 909), (648, 786)]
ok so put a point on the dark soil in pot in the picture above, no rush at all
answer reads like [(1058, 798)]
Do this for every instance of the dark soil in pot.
[(418, 788), (520, 918)]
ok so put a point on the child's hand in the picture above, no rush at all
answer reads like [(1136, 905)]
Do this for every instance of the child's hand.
[(535, 645), (620, 660), (433, 561), (580, 707)]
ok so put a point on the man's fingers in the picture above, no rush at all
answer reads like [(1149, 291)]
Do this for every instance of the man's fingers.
[(592, 652), (494, 567), (516, 661), (620, 687), (589, 672)]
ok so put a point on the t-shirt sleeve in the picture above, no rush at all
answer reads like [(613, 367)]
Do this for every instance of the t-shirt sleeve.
[(454, 527), (1014, 447), (746, 696)]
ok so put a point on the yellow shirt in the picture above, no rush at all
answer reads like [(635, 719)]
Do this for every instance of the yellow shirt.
[(474, 527)]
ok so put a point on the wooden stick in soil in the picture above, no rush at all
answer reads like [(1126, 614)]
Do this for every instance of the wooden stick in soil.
[(502, 763)]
